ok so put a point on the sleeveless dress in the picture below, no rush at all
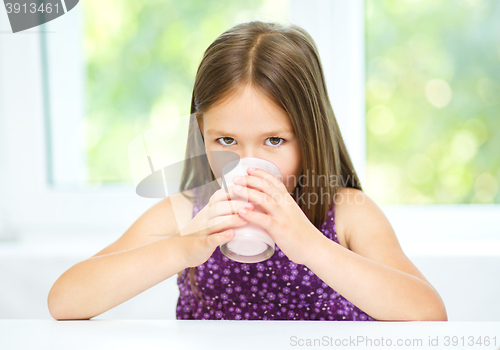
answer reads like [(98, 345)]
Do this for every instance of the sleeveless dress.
[(274, 289)]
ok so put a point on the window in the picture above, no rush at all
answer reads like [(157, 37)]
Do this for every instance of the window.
[(352, 37), (433, 101), (135, 64), (76, 92)]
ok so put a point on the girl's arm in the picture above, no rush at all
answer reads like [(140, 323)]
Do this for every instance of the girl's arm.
[(374, 273), (100, 283), (141, 258)]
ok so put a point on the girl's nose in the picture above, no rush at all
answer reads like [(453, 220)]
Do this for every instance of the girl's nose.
[(247, 153), (251, 151)]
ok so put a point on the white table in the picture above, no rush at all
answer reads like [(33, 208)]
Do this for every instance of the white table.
[(220, 335)]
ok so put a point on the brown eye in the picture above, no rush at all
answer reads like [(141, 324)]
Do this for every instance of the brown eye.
[(226, 139), (275, 141)]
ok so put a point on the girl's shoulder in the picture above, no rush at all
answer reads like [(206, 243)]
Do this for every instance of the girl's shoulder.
[(345, 204), (365, 229), (359, 221)]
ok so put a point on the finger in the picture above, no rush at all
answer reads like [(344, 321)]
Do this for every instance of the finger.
[(230, 207), (258, 198), (257, 183), (224, 195), (224, 209), (263, 220), (269, 177), (215, 225), (221, 223), (217, 239)]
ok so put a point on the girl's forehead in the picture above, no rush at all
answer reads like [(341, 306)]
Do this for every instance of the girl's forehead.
[(246, 109), (248, 116), (245, 122), (247, 98)]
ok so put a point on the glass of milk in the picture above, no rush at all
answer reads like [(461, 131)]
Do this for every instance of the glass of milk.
[(251, 243)]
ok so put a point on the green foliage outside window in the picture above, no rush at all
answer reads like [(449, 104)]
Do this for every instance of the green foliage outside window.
[(433, 101), (432, 87), (141, 60)]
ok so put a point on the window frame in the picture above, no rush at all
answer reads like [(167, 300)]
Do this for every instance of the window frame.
[(29, 204)]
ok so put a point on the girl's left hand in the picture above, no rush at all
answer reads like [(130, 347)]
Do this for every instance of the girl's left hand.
[(283, 219)]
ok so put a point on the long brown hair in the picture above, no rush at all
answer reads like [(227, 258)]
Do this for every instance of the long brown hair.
[(282, 61)]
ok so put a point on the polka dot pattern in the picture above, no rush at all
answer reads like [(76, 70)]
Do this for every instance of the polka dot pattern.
[(274, 289)]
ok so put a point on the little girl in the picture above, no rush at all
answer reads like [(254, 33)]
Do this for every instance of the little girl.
[(260, 92)]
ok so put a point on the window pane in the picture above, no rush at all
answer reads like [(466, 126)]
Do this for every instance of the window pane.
[(433, 101), (141, 60)]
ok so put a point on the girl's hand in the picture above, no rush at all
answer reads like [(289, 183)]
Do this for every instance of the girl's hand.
[(211, 227), (283, 219)]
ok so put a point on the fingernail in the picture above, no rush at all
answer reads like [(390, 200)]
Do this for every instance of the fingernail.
[(236, 178), (243, 211), (251, 170), (248, 205)]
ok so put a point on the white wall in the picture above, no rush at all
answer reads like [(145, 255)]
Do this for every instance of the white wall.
[(29, 269)]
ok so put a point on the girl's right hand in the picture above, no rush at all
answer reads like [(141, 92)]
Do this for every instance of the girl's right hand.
[(212, 226)]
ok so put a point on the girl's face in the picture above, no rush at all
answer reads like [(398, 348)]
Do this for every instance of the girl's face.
[(251, 125)]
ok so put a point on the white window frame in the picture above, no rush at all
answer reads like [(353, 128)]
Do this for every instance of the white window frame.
[(29, 205)]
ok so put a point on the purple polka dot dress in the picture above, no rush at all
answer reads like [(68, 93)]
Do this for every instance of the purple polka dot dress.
[(274, 289)]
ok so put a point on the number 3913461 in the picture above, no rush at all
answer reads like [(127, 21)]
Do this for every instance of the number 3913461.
[(31, 8)]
